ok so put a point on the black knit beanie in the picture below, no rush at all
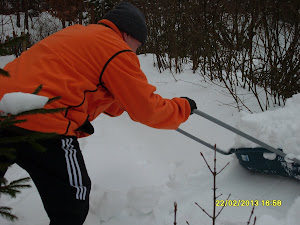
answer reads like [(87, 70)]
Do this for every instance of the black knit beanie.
[(128, 19)]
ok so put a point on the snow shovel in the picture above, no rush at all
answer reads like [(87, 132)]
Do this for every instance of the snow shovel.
[(253, 159)]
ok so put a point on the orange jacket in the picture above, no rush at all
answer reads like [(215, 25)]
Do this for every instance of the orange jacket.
[(94, 71)]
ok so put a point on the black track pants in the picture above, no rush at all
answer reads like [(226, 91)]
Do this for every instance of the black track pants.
[(60, 176)]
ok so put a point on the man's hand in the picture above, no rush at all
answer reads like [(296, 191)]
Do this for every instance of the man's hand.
[(192, 104)]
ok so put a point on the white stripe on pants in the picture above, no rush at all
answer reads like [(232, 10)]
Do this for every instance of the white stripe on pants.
[(74, 172)]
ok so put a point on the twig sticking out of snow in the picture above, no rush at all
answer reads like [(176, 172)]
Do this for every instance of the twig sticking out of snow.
[(215, 197), (252, 212)]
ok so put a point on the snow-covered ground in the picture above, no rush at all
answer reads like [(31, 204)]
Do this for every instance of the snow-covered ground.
[(139, 172)]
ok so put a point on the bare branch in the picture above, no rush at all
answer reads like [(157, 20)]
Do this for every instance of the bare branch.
[(175, 212), (252, 212), (223, 206), (254, 221), (206, 163), (219, 196), (203, 210), (223, 168)]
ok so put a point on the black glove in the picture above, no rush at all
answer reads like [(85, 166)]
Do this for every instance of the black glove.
[(192, 104)]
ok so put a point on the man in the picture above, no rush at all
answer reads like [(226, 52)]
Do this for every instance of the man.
[(95, 70)]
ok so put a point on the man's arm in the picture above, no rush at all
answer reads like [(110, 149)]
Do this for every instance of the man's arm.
[(126, 81)]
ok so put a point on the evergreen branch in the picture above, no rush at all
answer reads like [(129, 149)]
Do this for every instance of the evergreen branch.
[(41, 111), (28, 138), (37, 147), (11, 118), (6, 190), (3, 181), (53, 99), (19, 182), (12, 189), (6, 118), (38, 89), (3, 52), (7, 152), (4, 73), (3, 168), (5, 212), (12, 42), (15, 139), (6, 124)]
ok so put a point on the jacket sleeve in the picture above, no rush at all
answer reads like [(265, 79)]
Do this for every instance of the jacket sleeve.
[(114, 110), (126, 81)]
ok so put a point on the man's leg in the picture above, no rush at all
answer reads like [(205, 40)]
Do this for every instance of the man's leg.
[(61, 178)]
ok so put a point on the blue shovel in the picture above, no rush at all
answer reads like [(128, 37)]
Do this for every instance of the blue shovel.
[(252, 158)]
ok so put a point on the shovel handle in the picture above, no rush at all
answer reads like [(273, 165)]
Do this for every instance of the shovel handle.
[(242, 134), (202, 142)]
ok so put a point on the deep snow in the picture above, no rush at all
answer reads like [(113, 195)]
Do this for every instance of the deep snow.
[(139, 172)]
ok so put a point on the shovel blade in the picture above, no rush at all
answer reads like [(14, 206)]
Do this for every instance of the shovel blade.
[(255, 160)]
